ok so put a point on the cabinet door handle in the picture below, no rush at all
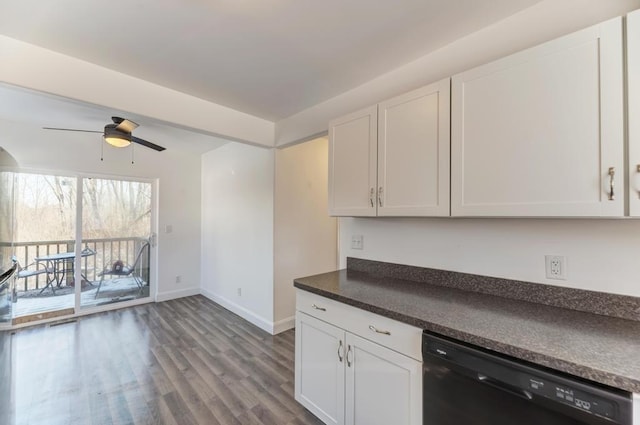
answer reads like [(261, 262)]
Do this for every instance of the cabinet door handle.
[(349, 355), (376, 330), (318, 308), (636, 180), (380, 196), (612, 173), (372, 194), (340, 351)]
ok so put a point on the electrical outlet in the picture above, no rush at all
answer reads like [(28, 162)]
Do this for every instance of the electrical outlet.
[(239, 292), (357, 242), (556, 267), (178, 279)]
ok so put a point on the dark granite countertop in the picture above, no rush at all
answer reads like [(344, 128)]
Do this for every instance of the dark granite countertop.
[(595, 347)]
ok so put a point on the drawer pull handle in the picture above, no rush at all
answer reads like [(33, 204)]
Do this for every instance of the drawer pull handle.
[(318, 308), (376, 330), (612, 173), (349, 356), (340, 351)]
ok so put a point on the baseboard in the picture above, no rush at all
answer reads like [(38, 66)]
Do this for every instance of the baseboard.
[(180, 293), (284, 325), (246, 314)]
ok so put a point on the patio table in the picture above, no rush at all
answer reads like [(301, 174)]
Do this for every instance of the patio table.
[(56, 262)]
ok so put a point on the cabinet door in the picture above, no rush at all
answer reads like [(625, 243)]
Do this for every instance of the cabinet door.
[(413, 153), (319, 368), (633, 87), (352, 164), (382, 386), (536, 133)]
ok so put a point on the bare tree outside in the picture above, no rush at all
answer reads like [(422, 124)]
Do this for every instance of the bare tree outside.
[(116, 208)]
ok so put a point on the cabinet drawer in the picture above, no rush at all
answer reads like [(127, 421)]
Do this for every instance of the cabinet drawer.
[(320, 307), (398, 336)]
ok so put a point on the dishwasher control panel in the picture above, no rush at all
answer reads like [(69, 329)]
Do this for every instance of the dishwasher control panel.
[(571, 396)]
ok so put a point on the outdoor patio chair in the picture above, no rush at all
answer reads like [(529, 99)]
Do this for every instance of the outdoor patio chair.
[(119, 269), (34, 269)]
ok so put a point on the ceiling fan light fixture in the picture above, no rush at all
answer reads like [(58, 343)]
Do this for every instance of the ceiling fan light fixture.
[(115, 137), (117, 141)]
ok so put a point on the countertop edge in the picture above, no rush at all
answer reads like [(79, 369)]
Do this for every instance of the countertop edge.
[(572, 368)]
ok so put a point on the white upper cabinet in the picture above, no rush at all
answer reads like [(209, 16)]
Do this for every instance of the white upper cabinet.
[(633, 87), (541, 133), (352, 164), (393, 159), (413, 153)]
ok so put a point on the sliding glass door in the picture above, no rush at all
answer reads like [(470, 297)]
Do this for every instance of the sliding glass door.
[(57, 274), (116, 229)]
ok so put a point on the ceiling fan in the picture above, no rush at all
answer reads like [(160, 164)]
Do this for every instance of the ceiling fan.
[(117, 134)]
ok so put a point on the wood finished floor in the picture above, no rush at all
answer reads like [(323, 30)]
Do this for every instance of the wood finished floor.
[(181, 362)]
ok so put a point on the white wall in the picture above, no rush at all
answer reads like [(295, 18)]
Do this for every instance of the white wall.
[(237, 230), (544, 21), (602, 255), (305, 241), (179, 189)]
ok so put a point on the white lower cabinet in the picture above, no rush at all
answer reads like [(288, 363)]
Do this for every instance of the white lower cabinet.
[(382, 386), (345, 378), (319, 368)]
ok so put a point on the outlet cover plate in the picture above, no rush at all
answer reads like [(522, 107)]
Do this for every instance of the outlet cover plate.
[(555, 267)]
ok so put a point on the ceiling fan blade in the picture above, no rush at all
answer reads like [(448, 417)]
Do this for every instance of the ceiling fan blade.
[(124, 125), (70, 129), (147, 144)]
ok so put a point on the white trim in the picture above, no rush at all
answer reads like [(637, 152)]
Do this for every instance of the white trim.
[(240, 311), (154, 239), (77, 261), (284, 325), (178, 293)]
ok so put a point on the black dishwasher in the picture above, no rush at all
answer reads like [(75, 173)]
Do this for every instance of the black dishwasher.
[(466, 385)]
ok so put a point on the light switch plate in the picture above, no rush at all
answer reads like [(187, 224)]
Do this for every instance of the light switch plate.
[(357, 242)]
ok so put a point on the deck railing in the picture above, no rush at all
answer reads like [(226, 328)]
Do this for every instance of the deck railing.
[(107, 252)]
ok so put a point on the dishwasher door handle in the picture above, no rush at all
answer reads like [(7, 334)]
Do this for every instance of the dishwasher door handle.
[(519, 392)]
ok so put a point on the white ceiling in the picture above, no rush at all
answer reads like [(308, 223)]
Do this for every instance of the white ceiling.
[(268, 58)]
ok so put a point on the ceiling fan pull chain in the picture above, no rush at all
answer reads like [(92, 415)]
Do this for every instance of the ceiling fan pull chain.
[(132, 157), (101, 151)]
